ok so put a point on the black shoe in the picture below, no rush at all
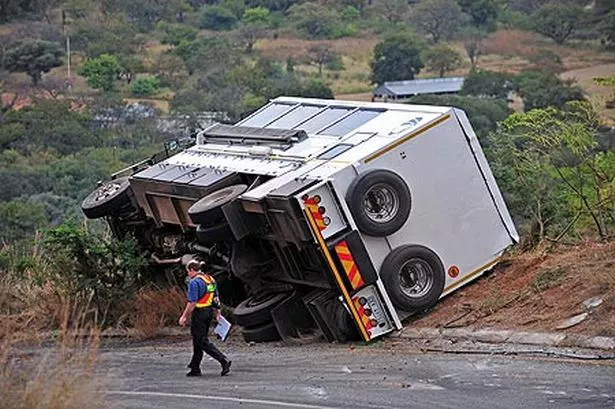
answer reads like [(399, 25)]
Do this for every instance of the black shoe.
[(226, 367), (194, 373)]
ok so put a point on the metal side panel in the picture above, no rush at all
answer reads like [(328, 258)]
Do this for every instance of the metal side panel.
[(452, 212), (487, 174)]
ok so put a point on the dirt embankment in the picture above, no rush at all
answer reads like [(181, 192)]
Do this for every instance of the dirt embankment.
[(537, 292)]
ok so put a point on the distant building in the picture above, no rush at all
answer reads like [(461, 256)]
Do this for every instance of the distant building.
[(397, 90)]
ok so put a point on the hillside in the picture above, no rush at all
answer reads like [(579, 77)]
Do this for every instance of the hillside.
[(537, 292)]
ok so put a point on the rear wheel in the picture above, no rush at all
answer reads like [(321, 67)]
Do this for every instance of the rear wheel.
[(413, 276), (256, 310), (106, 199), (379, 201)]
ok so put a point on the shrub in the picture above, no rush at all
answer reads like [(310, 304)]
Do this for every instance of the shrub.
[(145, 86), (88, 265)]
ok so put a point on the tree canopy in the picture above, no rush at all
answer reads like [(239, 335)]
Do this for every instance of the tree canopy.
[(398, 57), (34, 57)]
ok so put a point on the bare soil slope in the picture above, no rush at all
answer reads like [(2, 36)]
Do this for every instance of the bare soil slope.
[(536, 292)]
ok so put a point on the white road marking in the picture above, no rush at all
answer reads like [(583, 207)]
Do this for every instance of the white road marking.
[(222, 398)]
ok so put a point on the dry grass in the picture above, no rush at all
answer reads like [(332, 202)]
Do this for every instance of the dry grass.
[(154, 309), (63, 376)]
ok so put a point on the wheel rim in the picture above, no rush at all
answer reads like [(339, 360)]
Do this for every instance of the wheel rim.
[(381, 203), (107, 191), (416, 277)]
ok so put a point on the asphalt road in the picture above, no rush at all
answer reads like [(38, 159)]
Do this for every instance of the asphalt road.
[(340, 376)]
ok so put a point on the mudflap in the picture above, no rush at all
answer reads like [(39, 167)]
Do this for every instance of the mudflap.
[(331, 316), (294, 322)]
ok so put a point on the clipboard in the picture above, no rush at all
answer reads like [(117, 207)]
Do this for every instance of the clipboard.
[(222, 328)]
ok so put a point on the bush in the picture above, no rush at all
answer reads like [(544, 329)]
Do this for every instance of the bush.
[(83, 265), (217, 18), (145, 86)]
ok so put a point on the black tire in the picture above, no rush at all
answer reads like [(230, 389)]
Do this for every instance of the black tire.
[(208, 210), (265, 333), (219, 232), (256, 310), (413, 276), (370, 194), (107, 198)]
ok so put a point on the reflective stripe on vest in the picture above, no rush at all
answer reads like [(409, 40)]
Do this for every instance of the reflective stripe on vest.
[(210, 291)]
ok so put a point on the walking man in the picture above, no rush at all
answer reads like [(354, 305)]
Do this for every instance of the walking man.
[(203, 306)]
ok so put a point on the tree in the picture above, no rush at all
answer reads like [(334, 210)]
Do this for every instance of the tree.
[(34, 57), (441, 58), (472, 43), (314, 20), (398, 57), (217, 18), (438, 18), (101, 72), (253, 27), (544, 89), (483, 13), (321, 54), (249, 34), (488, 84), (393, 11), (558, 21), (557, 173), (206, 54)]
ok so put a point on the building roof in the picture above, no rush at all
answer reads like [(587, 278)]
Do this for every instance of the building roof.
[(418, 87)]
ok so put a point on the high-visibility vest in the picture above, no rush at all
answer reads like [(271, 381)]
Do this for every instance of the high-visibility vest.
[(208, 298)]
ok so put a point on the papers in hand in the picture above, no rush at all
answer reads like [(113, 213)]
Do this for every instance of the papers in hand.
[(222, 329)]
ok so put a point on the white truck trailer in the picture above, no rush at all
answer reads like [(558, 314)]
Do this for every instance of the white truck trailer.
[(326, 216)]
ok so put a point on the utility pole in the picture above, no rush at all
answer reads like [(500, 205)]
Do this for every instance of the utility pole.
[(68, 62)]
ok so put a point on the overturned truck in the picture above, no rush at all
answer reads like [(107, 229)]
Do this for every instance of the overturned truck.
[(320, 216)]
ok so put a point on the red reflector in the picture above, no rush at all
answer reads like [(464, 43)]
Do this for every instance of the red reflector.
[(453, 271)]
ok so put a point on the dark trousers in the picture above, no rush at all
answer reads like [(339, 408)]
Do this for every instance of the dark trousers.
[(199, 328)]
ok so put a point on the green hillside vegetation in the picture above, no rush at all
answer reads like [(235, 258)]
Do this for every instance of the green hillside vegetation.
[(551, 150)]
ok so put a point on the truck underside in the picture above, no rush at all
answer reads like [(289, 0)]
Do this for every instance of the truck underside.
[(264, 262)]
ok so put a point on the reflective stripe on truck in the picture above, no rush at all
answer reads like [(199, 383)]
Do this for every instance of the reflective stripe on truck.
[(365, 304), (336, 274)]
